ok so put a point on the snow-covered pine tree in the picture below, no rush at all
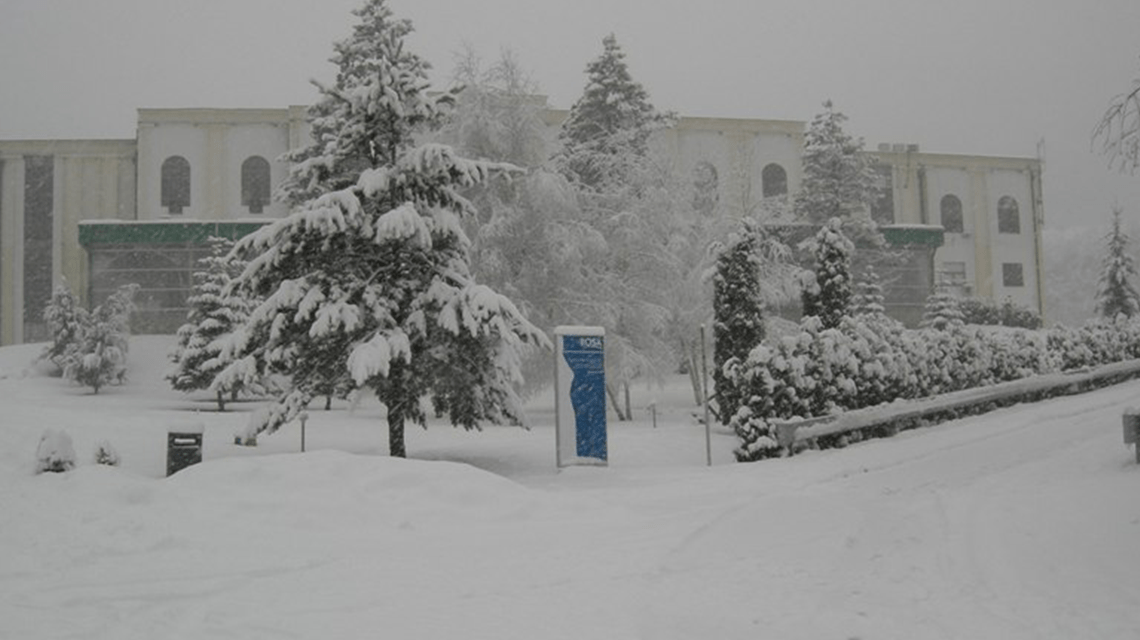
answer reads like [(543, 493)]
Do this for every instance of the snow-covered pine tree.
[(838, 178), (370, 275), (100, 358), (868, 298), (212, 315), (942, 310), (831, 298), (738, 312), (65, 319), (1115, 294), (609, 126)]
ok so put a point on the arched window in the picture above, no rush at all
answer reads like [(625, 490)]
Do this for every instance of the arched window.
[(951, 208), (255, 183), (175, 184), (1008, 219), (774, 180)]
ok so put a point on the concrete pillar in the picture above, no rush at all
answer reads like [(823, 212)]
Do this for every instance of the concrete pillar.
[(983, 250)]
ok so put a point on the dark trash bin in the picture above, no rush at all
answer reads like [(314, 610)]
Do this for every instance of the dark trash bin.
[(183, 448)]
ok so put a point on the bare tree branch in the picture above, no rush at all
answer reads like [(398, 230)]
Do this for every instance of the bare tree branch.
[(1118, 131)]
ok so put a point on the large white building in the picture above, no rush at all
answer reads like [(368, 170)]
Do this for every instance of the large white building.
[(101, 213)]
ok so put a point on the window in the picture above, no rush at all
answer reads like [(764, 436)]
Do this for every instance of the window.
[(1008, 219), (255, 183), (774, 180), (1012, 274), (951, 208), (175, 184)]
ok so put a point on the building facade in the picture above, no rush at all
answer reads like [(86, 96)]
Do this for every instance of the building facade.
[(100, 213)]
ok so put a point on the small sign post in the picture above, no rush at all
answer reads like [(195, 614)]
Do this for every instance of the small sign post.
[(580, 395)]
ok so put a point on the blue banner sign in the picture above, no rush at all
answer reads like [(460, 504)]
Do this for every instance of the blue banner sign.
[(580, 400)]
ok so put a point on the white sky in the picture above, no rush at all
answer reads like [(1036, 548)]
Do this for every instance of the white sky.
[(973, 76)]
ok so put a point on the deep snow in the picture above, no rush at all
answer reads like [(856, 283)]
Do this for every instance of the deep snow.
[(1023, 523)]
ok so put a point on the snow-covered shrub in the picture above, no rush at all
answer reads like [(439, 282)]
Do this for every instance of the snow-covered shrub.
[(55, 453), (830, 299), (871, 360), (106, 454), (100, 356), (65, 320), (1007, 314)]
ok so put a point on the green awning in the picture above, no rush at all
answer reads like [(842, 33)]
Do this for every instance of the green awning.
[(94, 232)]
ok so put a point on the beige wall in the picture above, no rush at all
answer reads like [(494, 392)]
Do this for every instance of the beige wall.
[(979, 182), (92, 179), (215, 142), (121, 179)]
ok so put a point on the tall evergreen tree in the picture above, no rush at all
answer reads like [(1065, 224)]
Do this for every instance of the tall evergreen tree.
[(608, 128), (830, 298), (605, 156), (1115, 294), (370, 274), (838, 178), (738, 311), (212, 315)]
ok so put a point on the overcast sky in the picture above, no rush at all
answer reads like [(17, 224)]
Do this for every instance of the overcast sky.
[(973, 76)]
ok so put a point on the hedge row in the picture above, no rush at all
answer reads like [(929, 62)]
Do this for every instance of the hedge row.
[(870, 360)]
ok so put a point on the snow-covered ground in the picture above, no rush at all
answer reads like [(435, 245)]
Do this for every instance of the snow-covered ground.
[(1023, 523)]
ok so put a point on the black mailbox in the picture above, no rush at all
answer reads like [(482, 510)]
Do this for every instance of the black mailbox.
[(182, 450)]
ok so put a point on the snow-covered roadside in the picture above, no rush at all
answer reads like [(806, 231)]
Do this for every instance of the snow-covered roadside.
[(1018, 524)]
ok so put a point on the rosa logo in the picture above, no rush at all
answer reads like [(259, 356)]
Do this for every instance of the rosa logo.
[(589, 343)]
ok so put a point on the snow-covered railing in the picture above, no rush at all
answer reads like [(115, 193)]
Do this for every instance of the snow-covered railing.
[(887, 419)]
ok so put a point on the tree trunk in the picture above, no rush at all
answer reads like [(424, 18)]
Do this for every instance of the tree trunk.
[(221, 400), (628, 409), (396, 432), (328, 402), (614, 402)]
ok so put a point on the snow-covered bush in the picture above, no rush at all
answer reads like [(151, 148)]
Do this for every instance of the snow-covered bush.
[(100, 356), (55, 453), (833, 253), (65, 319), (871, 360), (106, 454), (1007, 314)]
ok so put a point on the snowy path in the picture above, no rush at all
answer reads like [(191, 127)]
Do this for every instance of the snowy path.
[(1022, 523)]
